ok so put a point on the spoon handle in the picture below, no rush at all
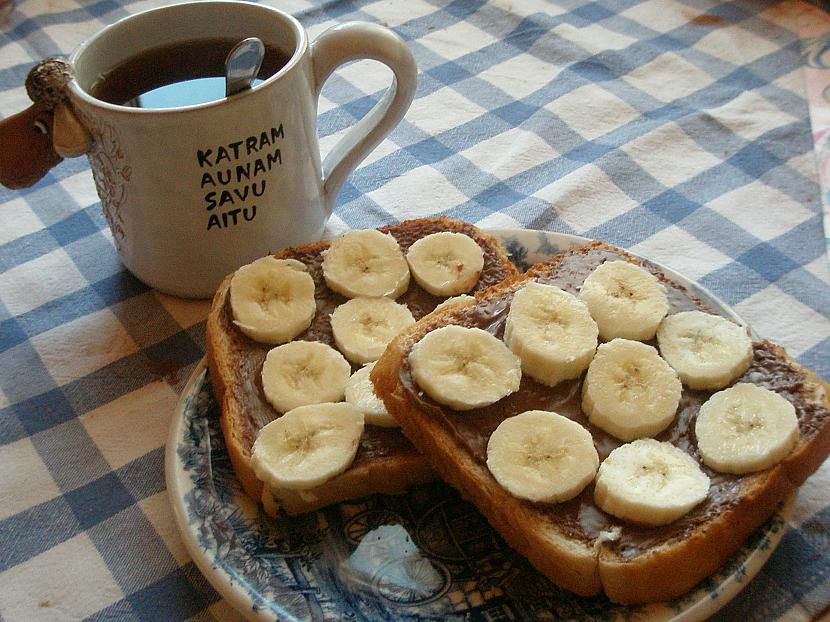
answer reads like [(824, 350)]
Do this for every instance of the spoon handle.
[(242, 65)]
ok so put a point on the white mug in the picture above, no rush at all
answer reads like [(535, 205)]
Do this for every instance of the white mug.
[(192, 193)]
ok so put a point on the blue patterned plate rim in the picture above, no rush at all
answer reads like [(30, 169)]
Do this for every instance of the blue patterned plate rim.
[(402, 558)]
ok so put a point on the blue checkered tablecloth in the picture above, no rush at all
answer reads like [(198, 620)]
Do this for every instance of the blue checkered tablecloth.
[(674, 128)]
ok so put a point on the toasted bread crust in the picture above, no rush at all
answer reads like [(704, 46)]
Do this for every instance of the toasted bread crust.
[(387, 476), (220, 366), (388, 473), (658, 572)]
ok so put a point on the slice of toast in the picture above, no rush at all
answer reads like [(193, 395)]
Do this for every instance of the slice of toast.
[(386, 462), (574, 543)]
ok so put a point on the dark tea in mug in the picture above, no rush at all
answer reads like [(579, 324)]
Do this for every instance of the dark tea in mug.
[(180, 74)]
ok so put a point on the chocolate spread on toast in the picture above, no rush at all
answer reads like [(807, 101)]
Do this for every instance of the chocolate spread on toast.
[(580, 518), (376, 442)]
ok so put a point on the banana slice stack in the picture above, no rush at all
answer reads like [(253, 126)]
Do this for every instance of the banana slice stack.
[(273, 301), (630, 391)]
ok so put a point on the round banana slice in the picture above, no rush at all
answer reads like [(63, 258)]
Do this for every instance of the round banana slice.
[(552, 333), (360, 393), (464, 368), (304, 372), (272, 300), (707, 351), (745, 428), (454, 300), (363, 327), (307, 446), (365, 263), (625, 300), (446, 263), (542, 456), (629, 391), (649, 483)]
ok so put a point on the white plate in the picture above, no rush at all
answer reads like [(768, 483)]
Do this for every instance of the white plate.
[(425, 555)]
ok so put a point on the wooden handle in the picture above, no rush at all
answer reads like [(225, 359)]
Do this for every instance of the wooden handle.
[(26, 150)]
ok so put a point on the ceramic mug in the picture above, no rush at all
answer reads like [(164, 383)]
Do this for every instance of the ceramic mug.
[(193, 192)]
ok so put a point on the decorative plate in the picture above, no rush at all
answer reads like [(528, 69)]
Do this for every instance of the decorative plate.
[(425, 555)]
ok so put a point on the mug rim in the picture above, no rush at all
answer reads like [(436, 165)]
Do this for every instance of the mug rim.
[(299, 50)]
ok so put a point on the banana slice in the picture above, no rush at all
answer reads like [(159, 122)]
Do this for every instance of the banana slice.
[(745, 428), (272, 300), (625, 300), (360, 393), (363, 327), (649, 483), (542, 456), (304, 372), (464, 368), (307, 446), (365, 263), (293, 263), (446, 263), (551, 331), (453, 300), (707, 351), (629, 391)]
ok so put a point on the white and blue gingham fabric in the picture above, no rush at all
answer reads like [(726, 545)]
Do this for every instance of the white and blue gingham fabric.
[(674, 128)]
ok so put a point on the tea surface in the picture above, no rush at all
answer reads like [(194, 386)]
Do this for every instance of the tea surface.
[(180, 74)]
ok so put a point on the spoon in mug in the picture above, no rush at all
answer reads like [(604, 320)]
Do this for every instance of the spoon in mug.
[(242, 65)]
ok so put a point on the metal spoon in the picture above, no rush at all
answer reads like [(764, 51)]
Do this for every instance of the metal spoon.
[(242, 65)]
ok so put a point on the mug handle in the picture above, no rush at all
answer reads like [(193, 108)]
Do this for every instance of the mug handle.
[(356, 41)]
